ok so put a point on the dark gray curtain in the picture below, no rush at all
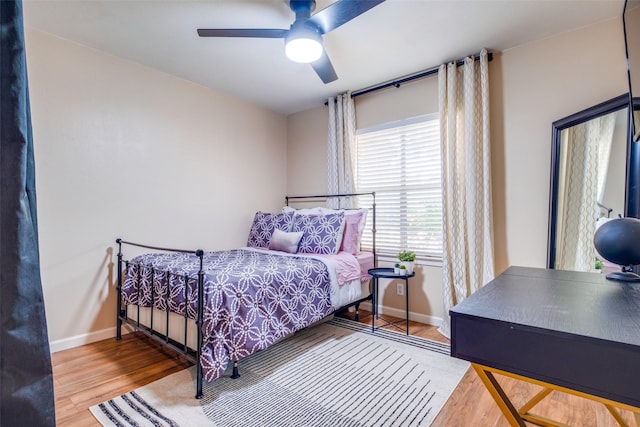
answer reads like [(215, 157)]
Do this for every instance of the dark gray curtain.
[(26, 382)]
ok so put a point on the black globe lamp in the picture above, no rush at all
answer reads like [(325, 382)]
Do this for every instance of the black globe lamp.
[(618, 241)]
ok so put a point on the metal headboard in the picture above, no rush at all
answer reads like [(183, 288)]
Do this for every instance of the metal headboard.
[(372, 194)]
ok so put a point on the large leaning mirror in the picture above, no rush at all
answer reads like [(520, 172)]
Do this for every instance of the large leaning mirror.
[(591, 154)]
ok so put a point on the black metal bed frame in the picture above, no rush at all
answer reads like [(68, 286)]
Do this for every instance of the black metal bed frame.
[(182, 347)]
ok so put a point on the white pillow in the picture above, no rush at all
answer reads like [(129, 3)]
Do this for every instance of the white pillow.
[(305, 211), (285, 241)]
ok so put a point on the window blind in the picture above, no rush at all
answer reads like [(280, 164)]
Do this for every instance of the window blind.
[(400, 161)]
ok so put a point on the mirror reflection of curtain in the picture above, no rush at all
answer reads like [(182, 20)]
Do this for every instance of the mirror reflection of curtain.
[(585, 157)]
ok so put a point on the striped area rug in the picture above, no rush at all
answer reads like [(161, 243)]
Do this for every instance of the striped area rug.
[(335, 374)]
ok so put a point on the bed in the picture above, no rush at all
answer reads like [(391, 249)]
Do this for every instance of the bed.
[(300, 265)]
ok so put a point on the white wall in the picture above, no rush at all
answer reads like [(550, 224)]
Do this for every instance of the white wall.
[(531, 86), (126, 151), (307, 152), (411, 99)]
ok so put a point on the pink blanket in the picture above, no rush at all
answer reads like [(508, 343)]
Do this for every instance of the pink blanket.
[(348, 267)]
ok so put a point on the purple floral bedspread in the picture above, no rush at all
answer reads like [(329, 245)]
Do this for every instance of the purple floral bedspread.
[(252, 298)]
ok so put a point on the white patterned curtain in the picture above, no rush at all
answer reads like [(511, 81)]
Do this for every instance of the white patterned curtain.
[(585, 155), (341, 143), (467, 260)]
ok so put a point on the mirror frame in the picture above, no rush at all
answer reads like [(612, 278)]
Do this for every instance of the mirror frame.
[(632, 185), (635, 123)]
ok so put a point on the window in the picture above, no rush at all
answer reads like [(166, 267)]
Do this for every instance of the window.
[(400, 161)]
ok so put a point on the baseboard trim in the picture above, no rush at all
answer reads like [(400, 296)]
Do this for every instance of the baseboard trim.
[(91, 337), (78, 340), (396, 312)]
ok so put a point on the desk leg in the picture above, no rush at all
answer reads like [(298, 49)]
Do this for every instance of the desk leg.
[(517, 417), (616, 415), (498, 394)]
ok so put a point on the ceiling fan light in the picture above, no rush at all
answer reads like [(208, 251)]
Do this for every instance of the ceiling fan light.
[(303, 45), (303, 50)]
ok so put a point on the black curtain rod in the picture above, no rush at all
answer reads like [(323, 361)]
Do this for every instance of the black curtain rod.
[(419, 75), (411, 77)]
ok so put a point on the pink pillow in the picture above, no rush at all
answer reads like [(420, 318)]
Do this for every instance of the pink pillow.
[(351, 234)]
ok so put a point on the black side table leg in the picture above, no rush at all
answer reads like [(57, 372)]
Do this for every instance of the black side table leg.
[(406, 294), (374, 289)]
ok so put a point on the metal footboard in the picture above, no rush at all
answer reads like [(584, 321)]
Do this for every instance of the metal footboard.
[(180, 347)]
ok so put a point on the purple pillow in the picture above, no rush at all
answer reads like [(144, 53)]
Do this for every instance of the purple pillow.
[(263, 226), (322, 233)]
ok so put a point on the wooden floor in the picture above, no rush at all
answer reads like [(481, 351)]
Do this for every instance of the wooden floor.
[(90, 374)]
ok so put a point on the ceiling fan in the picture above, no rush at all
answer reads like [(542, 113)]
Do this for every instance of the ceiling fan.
[(303, 40)]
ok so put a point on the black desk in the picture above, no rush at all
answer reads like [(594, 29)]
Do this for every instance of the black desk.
[(574, 332), (387, 273)]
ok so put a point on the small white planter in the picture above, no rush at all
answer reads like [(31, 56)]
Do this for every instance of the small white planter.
[(408, 265)]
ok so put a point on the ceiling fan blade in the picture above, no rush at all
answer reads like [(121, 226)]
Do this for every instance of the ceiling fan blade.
[(324, 69), (268, 33), (331, 17)]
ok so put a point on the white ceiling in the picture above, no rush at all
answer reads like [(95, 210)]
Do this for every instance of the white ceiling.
[(396, 38)]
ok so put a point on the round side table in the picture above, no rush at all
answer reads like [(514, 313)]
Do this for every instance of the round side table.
[(387, 273)]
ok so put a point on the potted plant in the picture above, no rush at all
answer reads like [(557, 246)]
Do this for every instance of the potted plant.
[(407, 258), (403, 270), (599, 266), (396, 268)]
